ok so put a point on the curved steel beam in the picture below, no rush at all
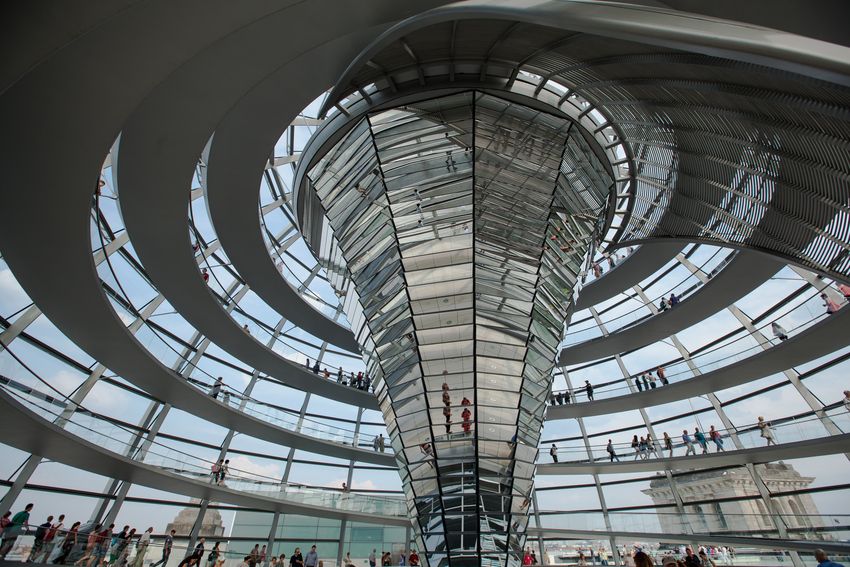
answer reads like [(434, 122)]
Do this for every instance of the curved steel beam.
[(649, 25)]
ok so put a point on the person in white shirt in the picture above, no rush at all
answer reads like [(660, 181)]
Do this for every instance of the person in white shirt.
[(142, 547)]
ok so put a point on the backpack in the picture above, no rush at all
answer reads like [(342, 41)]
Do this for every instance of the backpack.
[(41, 532), (214, 468), (51, 533)]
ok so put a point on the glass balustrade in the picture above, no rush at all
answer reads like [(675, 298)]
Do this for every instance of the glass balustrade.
[(804, 527), (614, 324), (116, 439), (718, 357), (787, 430), (277, 417)]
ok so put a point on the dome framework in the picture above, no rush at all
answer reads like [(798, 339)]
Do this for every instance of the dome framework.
[(718, 133)]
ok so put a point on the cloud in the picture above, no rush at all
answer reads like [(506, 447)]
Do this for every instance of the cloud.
[(65, 381), (243, 463)]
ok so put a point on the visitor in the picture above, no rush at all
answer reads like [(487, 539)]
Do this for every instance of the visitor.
[(316, 367), (205, 275), (380, 443), (588, 390), (846, 400), (216, 388), (312, 558), (566, 396), (643, 560), (645, 382), (246, 329), (662, 306), (16, 526), (688, 444), (38, 542), (466, 415), (651, 445), (447, 398), (91, 543), (638, 384), (413, 559), (705, 560), (102, 546), (643, 448), (215, 470), (223, 470), (766, 431), (372, 557), (554, 452), (166, 549), (668, 444), (215, 553), (118, 544), (339, 376), (830, 304), (67, 544), (49, 540), (198, 554), (717, 438), (691, 560), (661, 376), (674, 300), (823, 559), (611, 453), (778, 331), (142, 547), (701, 440), (651, 381), (296, 559)]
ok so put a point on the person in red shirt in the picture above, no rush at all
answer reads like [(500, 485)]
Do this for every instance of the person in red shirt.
[(414, 559), (205, 275), (466, 414)]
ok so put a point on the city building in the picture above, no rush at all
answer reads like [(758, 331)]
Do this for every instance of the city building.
[(428, 277), (723, 501)]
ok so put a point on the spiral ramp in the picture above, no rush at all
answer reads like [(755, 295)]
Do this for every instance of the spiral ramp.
[(728, 141)]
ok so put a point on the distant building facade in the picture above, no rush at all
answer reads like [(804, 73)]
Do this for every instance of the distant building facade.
[(185, 520), (700, 491)]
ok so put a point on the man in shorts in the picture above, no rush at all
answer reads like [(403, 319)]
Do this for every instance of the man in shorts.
[(101, 546), (40, 534)]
